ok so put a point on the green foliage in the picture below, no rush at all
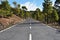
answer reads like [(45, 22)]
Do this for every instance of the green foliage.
[(15, 4), (5, 13), (22, 14), (57, 1), (24, 8), (55, 15), (47, 10), (24, 11), (18, 6), (5, 10), (39, 15), (33, 14), (49, 14), (5, 5), (27, 14), (57, 7), (16, 10)]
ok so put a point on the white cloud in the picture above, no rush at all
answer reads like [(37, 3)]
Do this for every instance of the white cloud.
[(30, 6)]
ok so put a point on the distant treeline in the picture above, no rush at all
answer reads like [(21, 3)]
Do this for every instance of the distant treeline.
[(49, 14), (6, 10)]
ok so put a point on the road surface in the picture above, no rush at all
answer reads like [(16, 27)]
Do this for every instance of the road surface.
[(30, 30)]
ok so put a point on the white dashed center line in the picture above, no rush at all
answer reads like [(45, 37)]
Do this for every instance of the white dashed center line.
[(30, 27), (30, 36)]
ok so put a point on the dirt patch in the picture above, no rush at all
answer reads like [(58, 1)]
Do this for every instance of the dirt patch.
[(56, 26), (5, 22)]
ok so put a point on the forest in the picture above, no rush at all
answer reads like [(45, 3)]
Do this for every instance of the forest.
[(49, 15)]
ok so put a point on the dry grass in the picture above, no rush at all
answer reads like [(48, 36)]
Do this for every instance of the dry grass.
[(5, 22), (54, 25)]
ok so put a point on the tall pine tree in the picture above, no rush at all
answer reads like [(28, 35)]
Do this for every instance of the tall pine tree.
[(47, 9), (57, 6)]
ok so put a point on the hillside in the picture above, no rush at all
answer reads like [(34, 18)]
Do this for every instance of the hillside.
[(6, 22)]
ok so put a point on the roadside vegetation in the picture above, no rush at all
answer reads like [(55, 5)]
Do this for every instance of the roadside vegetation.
[(49, 15), (11, 15)]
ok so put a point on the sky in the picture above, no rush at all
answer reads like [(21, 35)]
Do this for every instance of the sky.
[(30, 4)]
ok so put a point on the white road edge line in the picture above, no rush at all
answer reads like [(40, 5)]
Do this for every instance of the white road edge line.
[(7, 28), (30, 36), (49, 26)]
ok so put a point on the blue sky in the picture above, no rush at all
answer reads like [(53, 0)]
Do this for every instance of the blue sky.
[(30, 4)]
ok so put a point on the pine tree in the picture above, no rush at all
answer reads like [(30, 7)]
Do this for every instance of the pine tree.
[(47, 9), (5, 9), (57, 6), (54, 16), (24, 9)]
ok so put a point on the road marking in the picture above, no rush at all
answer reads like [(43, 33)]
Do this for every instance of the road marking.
[(30, 27), (7, 28), (30, 36), (49, 26)]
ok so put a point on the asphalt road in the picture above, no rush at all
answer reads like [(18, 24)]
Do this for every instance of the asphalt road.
[(38, 31)]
